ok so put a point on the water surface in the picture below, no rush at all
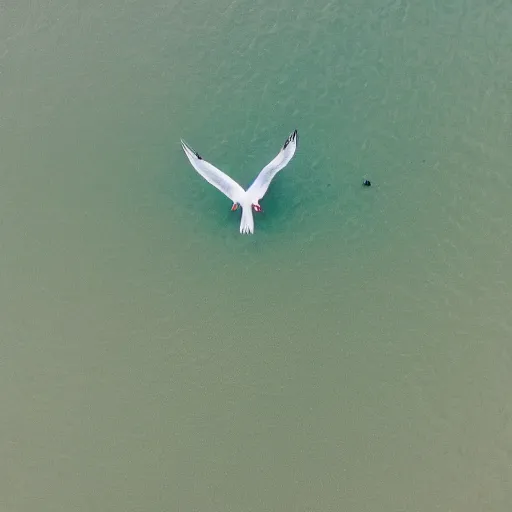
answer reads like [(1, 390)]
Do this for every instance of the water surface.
[(354, 354)]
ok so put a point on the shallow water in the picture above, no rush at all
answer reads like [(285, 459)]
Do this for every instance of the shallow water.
[(354, 354)]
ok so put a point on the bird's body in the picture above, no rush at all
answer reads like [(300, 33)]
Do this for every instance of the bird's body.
[(248, 199)]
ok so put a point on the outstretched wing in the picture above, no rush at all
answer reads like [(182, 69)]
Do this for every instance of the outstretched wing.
[(260, 185), (214, 176)]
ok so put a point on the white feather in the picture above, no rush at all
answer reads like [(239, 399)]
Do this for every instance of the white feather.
[(214, 176), (260, 185)]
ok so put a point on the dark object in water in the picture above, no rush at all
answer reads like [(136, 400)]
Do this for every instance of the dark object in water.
[(367, 183)]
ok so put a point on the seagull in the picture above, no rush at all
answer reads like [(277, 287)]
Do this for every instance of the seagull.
[(248, 199)]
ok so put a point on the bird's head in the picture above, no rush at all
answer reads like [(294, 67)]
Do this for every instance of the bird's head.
[(256, 207)]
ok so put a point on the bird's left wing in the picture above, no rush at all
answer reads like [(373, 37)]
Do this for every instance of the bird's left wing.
[(260, 185), (214, 176)]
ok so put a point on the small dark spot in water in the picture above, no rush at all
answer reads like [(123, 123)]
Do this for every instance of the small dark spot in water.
[(328, 184), (423, 161), (367, 183)]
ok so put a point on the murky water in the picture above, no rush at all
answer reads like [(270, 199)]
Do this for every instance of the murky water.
[(354, 354)]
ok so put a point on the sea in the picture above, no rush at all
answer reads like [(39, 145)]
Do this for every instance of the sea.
[(354, 354)]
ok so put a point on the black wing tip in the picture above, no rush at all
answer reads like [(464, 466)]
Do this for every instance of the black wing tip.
[(186, 146), (293, 137)]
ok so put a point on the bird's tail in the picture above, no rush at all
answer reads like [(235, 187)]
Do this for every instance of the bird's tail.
[(247, 222)]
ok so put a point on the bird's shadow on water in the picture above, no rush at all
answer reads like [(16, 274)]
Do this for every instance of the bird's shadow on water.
[(293, 199), (317, 202)]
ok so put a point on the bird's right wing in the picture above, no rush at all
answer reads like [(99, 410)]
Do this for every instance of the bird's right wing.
[(260, 185), (214, 176)]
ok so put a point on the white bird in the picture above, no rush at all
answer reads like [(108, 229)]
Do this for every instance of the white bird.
[(248, 199)]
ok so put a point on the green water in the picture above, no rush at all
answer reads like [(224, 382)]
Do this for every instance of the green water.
[(354, 354)]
